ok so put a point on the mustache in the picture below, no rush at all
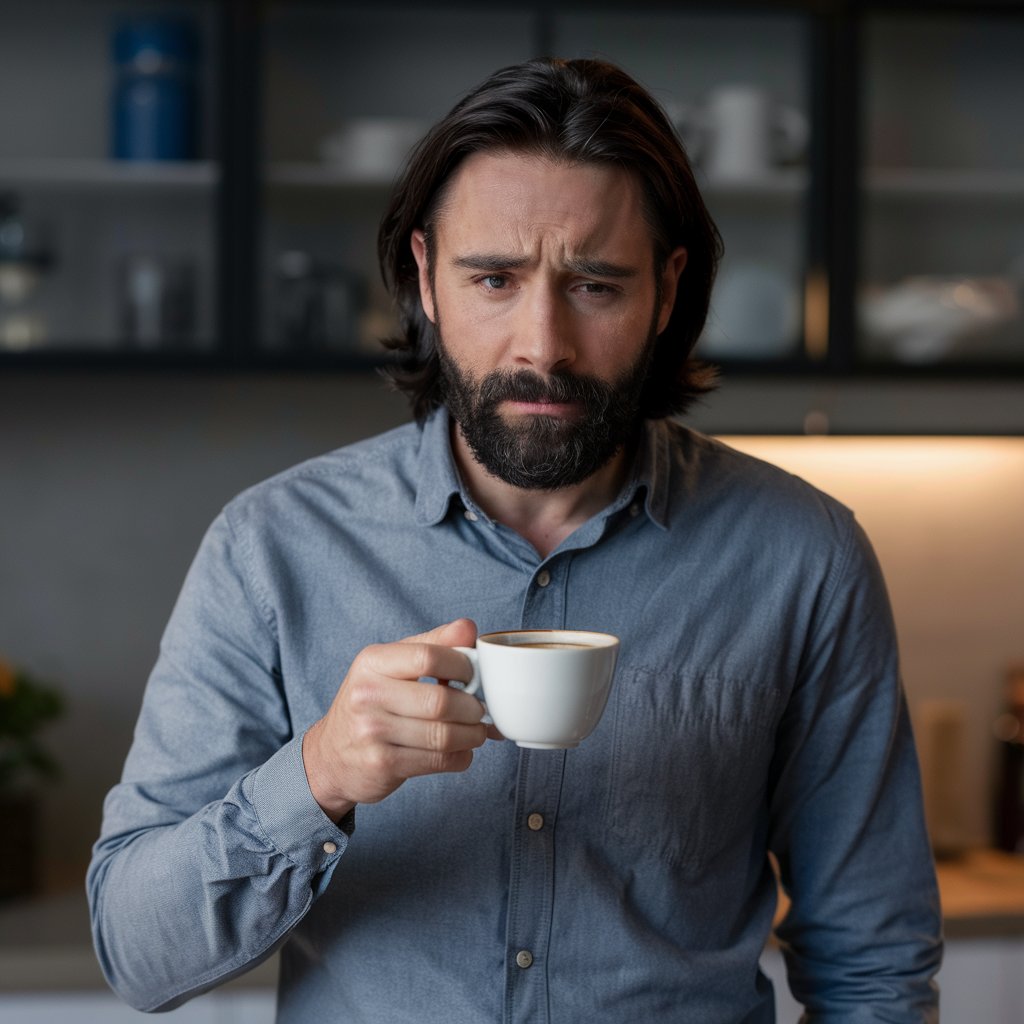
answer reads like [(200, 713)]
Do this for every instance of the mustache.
[(527, 386)]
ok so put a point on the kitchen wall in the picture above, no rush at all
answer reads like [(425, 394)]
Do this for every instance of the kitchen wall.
[(107, 483)]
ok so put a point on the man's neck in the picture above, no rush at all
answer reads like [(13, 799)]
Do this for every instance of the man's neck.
[(544, 518)]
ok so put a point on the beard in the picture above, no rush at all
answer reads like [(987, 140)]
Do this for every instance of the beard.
[(538, 452)]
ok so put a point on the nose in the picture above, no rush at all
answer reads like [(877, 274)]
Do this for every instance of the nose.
[(545, 336)]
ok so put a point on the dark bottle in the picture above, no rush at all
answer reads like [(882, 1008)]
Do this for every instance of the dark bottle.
[(1009, 730)]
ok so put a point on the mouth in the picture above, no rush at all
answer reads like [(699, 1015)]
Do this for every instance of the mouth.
[(561, 410)]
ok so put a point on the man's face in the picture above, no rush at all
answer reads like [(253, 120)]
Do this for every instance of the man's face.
[(547, 304)]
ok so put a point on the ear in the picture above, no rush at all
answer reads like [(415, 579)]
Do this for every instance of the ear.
[(674, 266), (419, 252)]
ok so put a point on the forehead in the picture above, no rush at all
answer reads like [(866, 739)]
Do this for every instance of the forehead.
[(525, 201)]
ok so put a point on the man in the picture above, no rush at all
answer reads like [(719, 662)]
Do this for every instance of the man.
[(553, 262)]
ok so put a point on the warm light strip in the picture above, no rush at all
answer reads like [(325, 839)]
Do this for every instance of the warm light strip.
[(889, 452), (943, 463)]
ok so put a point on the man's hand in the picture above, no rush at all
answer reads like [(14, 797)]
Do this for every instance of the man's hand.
[(384, 726)]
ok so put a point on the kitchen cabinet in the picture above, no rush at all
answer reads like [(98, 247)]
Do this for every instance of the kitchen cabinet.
[(93, 248), (942, 192), (863, 160)]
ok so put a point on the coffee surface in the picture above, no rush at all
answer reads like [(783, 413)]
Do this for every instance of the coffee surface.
[(546, 645)]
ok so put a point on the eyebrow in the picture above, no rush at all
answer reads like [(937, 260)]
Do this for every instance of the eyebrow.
[(588, 266)]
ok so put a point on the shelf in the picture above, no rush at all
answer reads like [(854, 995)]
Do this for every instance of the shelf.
[(782, 184), (323, 175), (927, 184), (211, 359), (789, 183), (87, 173)]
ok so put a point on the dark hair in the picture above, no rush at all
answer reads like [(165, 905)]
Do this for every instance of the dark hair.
[(580, 111)]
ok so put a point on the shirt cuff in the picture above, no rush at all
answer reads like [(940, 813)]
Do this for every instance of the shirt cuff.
[(289, 816)]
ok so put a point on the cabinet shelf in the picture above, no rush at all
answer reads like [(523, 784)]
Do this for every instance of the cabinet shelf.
[(927, 184), (323, 176), (788, 183), (89, 173)]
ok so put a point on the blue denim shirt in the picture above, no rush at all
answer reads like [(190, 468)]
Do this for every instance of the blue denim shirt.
[(756, 706)]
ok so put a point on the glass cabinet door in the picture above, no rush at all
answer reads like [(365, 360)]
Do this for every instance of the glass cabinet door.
[(108, 177), (736, 87), (347, 92), (942, 243)]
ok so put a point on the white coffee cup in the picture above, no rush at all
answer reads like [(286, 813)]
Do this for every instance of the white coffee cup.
[(544, 688)]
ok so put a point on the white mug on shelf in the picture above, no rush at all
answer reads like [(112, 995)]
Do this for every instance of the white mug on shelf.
[(746, 133)]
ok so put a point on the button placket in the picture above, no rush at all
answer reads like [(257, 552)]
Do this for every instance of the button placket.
[(532, 884), (531, 887), (544, 600)]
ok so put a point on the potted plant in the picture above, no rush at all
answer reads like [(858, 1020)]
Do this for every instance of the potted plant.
[(26, 705)]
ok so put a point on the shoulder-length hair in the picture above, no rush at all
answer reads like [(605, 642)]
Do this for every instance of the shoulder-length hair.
[(577, 111)]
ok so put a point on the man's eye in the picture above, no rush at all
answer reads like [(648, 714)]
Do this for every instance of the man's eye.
[(595, 287), (493, 282)]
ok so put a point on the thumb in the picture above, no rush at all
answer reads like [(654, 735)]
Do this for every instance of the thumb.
[(460, 633)]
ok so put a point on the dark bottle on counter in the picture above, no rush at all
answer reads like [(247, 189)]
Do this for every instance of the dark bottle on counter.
[(1009, 730)]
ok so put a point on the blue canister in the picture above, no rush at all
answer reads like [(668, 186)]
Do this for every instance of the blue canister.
[(155, 94)]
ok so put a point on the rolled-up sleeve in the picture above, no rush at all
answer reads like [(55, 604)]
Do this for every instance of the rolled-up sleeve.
[(862, 938), (212, 847)]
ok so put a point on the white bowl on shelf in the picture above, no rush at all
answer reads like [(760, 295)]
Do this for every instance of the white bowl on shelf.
[(372, 147)]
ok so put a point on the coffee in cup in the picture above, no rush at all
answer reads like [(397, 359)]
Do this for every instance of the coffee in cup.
[(544, 688)]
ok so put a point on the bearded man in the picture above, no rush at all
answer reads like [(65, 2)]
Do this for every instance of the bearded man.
[(552, 261)]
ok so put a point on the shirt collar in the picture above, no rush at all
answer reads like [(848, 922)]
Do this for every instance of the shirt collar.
[(651, 468), (439, 479)]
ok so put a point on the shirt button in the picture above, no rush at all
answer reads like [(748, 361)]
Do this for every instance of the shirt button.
[(524, 958), (470, 515), (543, 578), (535, 822), (330, 847), (634, 509)]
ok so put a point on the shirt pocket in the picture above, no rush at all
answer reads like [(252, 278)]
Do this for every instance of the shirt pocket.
[(690, 763)]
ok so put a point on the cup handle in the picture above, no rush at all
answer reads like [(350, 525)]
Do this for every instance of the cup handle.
[(473, 686)]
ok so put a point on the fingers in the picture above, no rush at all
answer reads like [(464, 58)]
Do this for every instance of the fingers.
[(402, 763), (434, 736), (459, 633), (374, 703), (412, 659)]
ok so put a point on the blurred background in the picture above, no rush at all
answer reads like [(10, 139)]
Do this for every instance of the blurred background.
[(189, 302)]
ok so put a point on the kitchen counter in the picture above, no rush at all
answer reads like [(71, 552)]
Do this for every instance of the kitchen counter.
[(45, 943), (982, 895)]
